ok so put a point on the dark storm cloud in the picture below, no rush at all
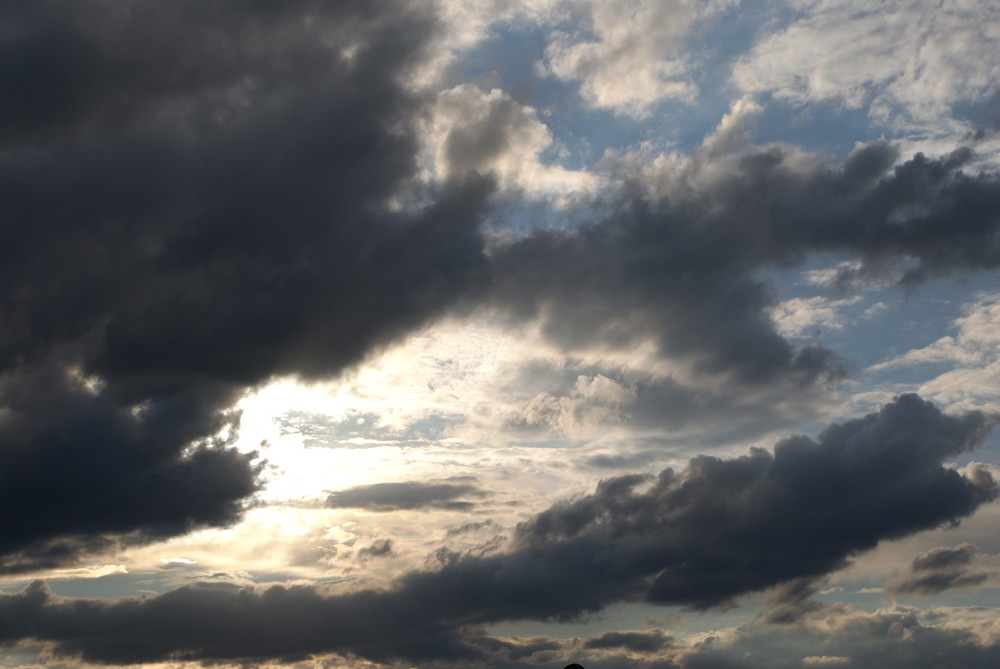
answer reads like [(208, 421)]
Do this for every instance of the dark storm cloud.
[(726, 527), (683, 269), (82, 472), (941, 569), (408, 495), (192, 199), (700, 537)]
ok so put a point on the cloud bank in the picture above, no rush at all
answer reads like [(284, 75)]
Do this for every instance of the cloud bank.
[(700, 537)]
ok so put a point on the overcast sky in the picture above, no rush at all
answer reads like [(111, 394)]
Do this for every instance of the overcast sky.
[(398, 333)]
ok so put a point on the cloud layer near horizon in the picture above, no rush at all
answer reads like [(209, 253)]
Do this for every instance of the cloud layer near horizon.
[(699, 537)]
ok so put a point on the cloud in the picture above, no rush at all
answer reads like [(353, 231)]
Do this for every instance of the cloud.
[(363, 429), (677, 263), (408, 495), (633, 59), (253, 207), (974, 344), (640, 642), (727, 527), (592, 401), (907, 64), (896, 637), (83, 471), (940, 569), (972, 354), (491, 133), (195, 199), (700, 537), (378, 548), (802, 316)]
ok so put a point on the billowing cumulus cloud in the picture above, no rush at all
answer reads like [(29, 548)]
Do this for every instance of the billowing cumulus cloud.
[(699, 537), (194, 199), (463, 228), (726, 527), (225, 222), (680, 268), (592, 400)]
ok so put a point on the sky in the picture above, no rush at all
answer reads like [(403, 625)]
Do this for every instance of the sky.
[(378, 334)]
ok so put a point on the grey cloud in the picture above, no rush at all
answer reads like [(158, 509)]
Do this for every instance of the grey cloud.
[(700, 537), (408, 495), (726, 527), (641, 642), (940, 558), (623, 460), (378, 548), (898, 638), (683, 269), (192, 199), (891, 638), (482, 130), (575, 397), (83, 471), (941, 569), (790, 602), (69, 69), (489, 525)]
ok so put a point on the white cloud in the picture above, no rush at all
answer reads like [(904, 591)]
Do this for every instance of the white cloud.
[(906, 61), (733, 130), (634, 57), (466, 23), (973, 351), (472, 130), (697, 175), (801, 316), (593, 401)]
